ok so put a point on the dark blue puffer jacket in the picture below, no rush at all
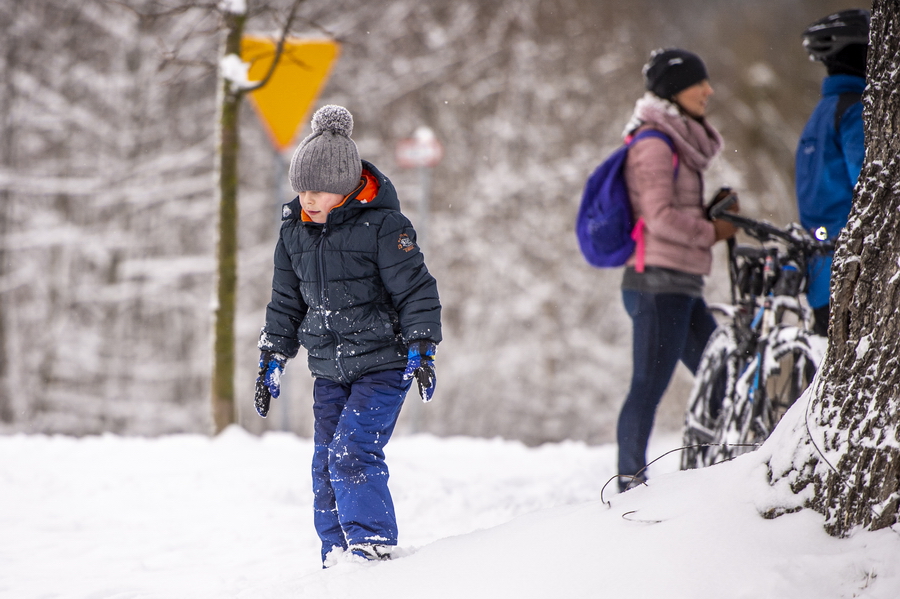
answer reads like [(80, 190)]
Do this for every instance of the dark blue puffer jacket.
[(353, 291)]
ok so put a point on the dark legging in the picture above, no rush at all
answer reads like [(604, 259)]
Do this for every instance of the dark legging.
[(668, 327)]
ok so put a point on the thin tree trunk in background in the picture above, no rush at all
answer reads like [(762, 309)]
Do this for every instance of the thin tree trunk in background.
[(229, 146), (7, 159), (850, 452), (226, 288)]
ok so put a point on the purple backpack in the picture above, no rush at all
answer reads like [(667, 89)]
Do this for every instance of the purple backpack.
[(607, 233)]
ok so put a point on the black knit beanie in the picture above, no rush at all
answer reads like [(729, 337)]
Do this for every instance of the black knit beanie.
[(671, 70)]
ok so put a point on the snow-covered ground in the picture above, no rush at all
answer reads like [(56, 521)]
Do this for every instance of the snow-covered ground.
[(190, 517)]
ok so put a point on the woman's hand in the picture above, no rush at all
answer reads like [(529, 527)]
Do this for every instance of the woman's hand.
[(724, 229)]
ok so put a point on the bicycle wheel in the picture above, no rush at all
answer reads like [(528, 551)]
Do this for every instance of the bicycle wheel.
[(737, 413), (713, 382), (787, 366)]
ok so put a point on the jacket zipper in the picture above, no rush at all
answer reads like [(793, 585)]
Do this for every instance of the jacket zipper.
[(320, 263)]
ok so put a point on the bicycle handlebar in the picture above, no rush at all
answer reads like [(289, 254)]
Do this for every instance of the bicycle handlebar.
[(757, 228), (765, 231), (718, 207)]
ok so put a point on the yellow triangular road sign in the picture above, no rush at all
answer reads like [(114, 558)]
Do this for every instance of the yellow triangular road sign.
[(284, 102)]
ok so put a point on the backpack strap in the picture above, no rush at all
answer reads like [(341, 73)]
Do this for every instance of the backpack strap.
[(845, 101), (637, 233), (630, 139)]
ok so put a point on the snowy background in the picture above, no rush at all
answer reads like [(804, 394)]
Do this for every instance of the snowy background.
[(107, 211)]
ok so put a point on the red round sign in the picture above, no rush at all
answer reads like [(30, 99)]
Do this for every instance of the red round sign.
[(419, 151)]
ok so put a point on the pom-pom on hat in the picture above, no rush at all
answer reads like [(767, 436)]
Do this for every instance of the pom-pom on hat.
[(327, 160), (672, 70)]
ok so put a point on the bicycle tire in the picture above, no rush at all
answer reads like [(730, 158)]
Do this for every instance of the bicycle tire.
[(788, 365), (713, 382)]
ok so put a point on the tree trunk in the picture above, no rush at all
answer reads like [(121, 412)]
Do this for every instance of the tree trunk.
[(226, 288), (7, 161), (848, 449)]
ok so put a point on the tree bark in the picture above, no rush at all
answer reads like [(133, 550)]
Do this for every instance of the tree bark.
[(848, 449), (226, 288)]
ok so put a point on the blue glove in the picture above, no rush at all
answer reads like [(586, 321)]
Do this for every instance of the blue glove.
[(420, 364), (268, 383)]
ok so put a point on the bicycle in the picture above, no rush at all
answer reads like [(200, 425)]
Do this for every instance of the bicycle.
[(757, 363)]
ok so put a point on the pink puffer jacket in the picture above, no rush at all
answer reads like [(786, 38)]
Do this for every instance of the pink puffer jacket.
[(677, 235)]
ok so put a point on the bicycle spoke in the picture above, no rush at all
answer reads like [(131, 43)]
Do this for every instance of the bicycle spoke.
[(786, 371), (714, 383)]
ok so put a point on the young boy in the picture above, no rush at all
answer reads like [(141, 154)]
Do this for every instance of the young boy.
[(350, 286)]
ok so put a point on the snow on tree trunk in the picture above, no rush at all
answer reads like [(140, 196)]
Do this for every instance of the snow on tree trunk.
[(847, 459)]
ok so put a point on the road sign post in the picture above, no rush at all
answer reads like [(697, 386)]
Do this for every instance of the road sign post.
[(423, 152)]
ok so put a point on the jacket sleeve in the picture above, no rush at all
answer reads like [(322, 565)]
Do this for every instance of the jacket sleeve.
[(650, 176), (286, 310), (413, 290)]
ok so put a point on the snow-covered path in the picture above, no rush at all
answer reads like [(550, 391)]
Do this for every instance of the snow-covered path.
[(194, 517)]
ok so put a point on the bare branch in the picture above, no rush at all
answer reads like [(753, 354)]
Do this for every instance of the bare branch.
[(279, 48), (326, 32), (166, 11)]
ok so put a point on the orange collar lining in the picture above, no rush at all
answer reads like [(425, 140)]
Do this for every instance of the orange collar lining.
[(365, 193)]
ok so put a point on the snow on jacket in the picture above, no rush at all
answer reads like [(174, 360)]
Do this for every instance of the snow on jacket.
[(677, 234), (827, 167), (353, 291)]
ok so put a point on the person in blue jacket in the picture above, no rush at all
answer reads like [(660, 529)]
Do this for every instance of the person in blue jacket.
[(831, 149), (350, 286)]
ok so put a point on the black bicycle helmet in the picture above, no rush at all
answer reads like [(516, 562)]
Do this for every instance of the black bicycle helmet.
[(829, 35)]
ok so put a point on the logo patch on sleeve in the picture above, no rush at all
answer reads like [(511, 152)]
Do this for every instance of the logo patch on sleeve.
[(405, 243)]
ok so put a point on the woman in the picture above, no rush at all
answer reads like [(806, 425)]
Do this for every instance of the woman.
[(662, 287)]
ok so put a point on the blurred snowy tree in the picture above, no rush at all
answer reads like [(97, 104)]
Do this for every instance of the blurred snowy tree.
[(104, 160)]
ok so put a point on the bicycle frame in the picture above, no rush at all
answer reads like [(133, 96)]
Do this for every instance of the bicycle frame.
[(767, 282)]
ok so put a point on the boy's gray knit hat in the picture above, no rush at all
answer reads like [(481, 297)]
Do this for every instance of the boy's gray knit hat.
[(327, 160)]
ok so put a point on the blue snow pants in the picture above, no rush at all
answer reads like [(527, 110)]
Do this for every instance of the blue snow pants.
[(353, 423), (667, 327)]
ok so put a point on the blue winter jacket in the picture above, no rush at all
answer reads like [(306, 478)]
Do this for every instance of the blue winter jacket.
[(353, 291), (827, 167)]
